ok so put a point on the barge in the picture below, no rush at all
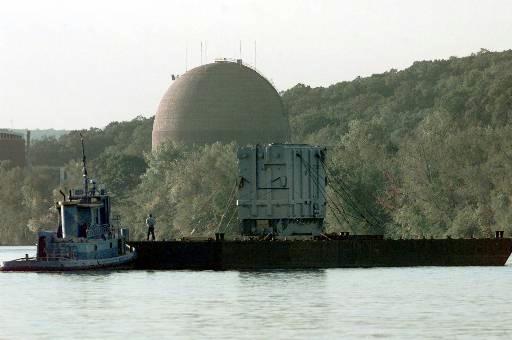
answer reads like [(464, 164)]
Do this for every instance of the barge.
[(282, 202), (350, 252)]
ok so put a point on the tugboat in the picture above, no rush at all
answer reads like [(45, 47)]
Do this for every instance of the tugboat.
[(86, 238)]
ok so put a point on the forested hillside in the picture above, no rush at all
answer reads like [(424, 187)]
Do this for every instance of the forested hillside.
[(426, 151)]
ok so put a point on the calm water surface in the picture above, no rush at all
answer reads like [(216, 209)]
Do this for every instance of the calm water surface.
[(427, 302)]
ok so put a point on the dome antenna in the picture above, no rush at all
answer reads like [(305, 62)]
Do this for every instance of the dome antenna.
[(84, 170), (186, 58)]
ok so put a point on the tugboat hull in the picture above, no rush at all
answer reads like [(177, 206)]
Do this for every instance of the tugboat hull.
[(348, 253), (33, 264)]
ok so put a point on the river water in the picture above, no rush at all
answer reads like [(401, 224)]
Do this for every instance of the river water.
[(423, 302)]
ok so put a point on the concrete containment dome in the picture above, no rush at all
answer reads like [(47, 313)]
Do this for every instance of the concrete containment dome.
[(223, 101), (12, 148)]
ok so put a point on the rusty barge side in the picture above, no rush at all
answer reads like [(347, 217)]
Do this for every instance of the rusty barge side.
[(304, 254)]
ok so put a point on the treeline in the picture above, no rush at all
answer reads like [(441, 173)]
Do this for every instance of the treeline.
[(426, 151), (38, 134)]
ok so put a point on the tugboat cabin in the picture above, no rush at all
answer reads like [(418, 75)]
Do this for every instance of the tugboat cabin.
[(85, 230)]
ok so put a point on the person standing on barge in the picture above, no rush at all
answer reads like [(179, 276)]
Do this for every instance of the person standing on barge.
[(150, 223)]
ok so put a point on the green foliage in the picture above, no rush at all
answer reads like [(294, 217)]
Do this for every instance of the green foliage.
[(424, 150), (119, 172), (25, 204), (130, 138), (188, 189)]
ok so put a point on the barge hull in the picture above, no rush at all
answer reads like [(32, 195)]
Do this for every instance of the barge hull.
[(348, 253)]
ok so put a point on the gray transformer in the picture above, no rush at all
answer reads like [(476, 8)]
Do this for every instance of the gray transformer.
[(282, 190)]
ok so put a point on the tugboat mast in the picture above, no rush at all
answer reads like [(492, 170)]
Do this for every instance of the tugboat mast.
[(84, 169)]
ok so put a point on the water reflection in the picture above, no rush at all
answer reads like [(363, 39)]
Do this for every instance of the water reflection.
[(334, 303), (282, 274)]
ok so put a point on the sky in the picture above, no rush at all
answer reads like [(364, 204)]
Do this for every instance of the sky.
[(80, 64)]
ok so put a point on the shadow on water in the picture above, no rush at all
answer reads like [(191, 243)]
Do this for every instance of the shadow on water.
[(85, 273), (282, 277), (282, 272)]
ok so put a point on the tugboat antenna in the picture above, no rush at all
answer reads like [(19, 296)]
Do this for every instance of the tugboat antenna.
[(84, 170)]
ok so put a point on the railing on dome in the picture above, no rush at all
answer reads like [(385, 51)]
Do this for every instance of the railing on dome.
[(240, 61)]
